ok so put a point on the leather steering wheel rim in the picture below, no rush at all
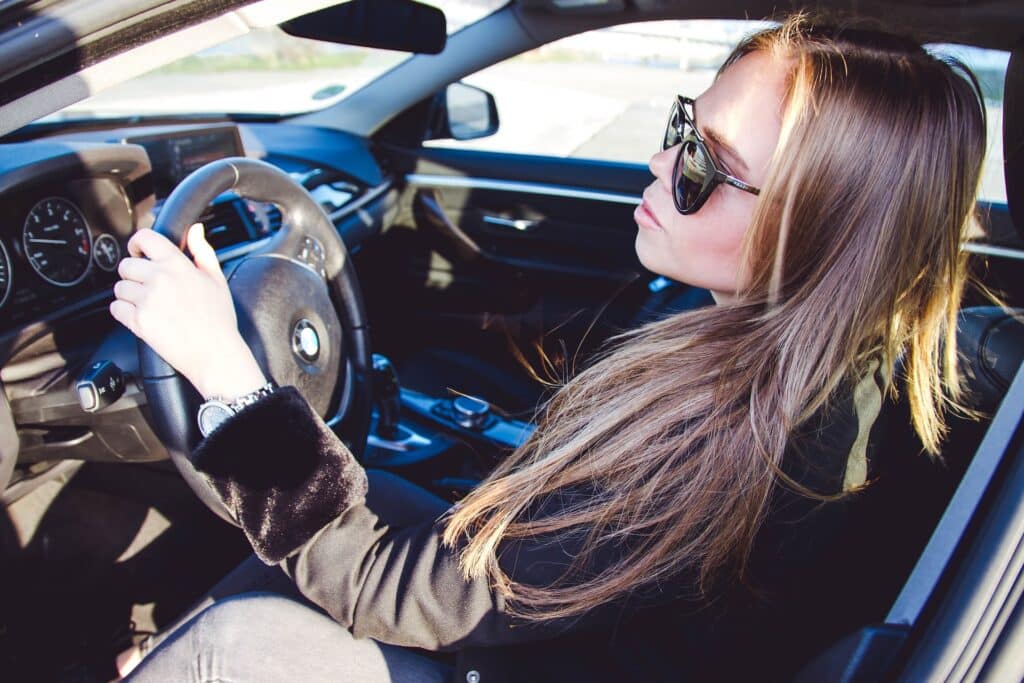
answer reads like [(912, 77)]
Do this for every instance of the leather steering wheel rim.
[(171, 399)]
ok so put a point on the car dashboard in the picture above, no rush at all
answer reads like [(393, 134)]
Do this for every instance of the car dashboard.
[(70, 204)]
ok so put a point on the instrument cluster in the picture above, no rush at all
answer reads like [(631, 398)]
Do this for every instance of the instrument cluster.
[(61, 243)]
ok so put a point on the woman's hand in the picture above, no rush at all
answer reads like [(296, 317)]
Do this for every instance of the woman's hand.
[(183, 310)]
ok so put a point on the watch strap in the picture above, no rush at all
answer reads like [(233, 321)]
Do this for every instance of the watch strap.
[(208, 412), (253, 396)]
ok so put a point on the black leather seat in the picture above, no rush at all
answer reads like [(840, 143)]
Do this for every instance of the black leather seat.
[(912, 489), (892, 520), (991, 339), (898, 512)]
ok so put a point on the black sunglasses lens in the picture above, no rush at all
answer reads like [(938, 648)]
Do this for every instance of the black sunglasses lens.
[(691, 174)]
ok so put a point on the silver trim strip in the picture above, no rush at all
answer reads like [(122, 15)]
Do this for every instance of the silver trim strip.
[(516, 186), (521, 224), (354, 205), (410, 441), (992, 250)]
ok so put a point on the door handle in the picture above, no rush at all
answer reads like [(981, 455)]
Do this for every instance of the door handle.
[(521, 224)]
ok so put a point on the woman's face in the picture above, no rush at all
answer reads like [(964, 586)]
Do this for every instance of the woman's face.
[(740, 117)]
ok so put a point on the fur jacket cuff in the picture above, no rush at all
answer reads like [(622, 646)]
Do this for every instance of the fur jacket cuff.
[(281, 472)]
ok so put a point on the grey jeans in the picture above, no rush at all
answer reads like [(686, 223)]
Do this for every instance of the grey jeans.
[(259, 637), (255, 626)]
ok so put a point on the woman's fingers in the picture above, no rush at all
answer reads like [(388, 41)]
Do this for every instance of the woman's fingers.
[(152, 245), (124, 313), (137, 269), (129, 291)]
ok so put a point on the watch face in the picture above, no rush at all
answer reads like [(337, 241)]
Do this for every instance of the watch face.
[(212, 414)]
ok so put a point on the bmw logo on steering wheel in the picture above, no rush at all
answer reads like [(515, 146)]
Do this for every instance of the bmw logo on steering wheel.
[(305, 341)]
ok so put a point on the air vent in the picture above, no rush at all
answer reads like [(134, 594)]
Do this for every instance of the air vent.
[(265, 218), (225, 224), (273, 218)]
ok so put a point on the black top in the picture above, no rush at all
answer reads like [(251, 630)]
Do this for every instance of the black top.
[(298, 495)]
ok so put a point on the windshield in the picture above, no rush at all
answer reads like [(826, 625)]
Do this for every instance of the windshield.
[(265, 72)]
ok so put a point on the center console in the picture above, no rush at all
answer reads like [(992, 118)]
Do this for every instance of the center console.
[(445, 444)]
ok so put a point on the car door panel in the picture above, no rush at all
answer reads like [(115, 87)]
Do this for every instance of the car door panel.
[(496, 251)]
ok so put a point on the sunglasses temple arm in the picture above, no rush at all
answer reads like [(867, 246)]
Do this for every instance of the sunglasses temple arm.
[(736, 182)]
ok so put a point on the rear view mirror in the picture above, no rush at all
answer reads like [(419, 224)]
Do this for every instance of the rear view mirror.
[(463, 112), (402, 25)]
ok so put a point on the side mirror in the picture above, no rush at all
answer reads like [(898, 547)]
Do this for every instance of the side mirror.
[(462, 112)]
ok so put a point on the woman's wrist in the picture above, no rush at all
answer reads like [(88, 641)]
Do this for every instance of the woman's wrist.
[(235, 375)]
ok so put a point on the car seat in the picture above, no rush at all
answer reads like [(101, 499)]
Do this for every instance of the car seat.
[(897, 513)]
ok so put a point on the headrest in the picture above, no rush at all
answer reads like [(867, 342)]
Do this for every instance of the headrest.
[(991, 344)]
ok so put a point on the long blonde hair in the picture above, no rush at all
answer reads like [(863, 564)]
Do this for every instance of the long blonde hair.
[(677, 433)]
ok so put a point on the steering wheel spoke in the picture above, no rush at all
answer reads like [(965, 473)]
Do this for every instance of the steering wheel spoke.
[(304, 249)]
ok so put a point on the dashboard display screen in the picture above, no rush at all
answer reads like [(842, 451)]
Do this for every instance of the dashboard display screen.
[(175, 155)]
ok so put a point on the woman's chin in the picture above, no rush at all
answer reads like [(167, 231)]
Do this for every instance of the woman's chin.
[(647, 252)]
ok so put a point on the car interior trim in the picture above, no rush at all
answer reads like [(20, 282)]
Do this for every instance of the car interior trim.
[(8, 266), (425, 180), (983, 590), (370, 196), (496, 185), (993, 250), (61, 472), (962, 507)]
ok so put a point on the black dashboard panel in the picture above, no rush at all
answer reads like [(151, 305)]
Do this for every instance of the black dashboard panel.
[(316, 147), (174, 155)]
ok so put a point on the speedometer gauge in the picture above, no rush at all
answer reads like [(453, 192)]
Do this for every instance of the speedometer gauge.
[(5, 274), (57, 241)]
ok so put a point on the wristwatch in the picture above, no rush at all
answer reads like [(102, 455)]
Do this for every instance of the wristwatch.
[(215, 411)]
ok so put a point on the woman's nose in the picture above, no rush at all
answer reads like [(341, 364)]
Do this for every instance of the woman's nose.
[(661, 165)]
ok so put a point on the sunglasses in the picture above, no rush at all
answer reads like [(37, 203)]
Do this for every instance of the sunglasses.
[(695, 174)]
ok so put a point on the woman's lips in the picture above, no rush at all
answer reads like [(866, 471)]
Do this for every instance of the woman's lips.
[(644, 217)]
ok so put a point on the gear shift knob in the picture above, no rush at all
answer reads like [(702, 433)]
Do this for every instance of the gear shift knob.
[(386, 396)]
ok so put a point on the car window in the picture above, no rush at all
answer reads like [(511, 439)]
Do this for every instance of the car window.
[(605, 94), (265, 71), (989, 66)]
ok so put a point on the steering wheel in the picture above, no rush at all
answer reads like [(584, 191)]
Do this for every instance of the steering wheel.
[(299, 309)]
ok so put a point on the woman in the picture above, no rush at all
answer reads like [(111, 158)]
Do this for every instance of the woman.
[(678, 507)]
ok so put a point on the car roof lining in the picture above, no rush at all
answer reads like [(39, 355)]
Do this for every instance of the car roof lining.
[(996, 24)]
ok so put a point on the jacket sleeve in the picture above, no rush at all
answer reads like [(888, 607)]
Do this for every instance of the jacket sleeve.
[(299, 495)]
